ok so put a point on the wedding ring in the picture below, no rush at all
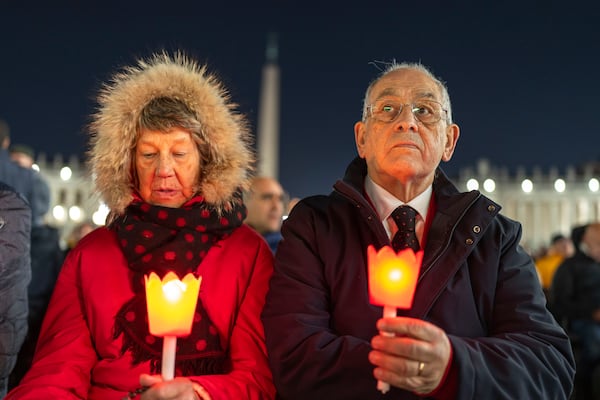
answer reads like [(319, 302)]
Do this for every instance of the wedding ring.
[(421, 368)]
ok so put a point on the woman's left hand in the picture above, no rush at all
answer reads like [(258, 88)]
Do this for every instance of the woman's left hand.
[(180, 388)]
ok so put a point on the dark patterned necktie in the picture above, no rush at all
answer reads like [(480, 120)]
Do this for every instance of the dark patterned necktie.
[(404, 216)]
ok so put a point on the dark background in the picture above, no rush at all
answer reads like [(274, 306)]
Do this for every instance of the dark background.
[(523, 76)]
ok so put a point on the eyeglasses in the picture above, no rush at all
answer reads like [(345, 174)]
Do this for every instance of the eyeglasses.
[(426, 111)]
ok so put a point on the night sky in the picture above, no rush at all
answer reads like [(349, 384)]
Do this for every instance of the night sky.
[(523, 76)]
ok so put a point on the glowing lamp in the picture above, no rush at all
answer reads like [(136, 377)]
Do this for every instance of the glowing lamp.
[(392, 282), (171, 306), (393, 277)]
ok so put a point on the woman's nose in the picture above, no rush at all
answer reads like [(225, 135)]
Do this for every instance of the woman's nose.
[(164, 167)]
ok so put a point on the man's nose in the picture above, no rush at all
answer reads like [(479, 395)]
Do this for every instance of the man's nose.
[(406, 120)]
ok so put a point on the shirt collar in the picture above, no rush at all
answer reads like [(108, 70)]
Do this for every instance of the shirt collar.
[(385, 202)]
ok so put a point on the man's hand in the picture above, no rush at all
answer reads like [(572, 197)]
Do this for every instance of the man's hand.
[(415, 358)]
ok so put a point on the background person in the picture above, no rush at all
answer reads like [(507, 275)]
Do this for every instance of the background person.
[(560, 248), (478, 328), (77, 233), (24, 180), (46, 260), (22, 154), (575, 300), (170, 155), (15, 272), (265, 201)]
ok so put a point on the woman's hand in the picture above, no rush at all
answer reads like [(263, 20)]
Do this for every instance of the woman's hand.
[(180, 388)]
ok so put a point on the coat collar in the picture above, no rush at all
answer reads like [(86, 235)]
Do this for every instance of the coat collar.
[(460, 221)]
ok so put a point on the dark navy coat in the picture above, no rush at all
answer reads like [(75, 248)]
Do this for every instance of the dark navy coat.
[(15, 273), (476, 283)]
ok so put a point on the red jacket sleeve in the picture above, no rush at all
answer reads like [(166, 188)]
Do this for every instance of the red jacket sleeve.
[(250, 377)]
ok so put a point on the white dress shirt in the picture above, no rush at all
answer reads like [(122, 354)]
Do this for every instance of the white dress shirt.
[(385, 203)]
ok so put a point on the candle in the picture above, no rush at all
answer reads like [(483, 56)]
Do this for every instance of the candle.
[(392, 282), (171, 305)]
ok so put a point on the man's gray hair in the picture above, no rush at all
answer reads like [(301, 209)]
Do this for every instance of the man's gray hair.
[(394, 66)]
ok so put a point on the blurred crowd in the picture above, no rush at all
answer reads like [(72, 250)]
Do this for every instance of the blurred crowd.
[(569, 272)]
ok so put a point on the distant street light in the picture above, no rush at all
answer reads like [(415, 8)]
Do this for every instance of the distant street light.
[(527, 186), (472, 184), (65, 173)]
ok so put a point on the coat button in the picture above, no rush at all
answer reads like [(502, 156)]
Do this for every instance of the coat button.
[(491, 208), (469, 241), (476, 229)]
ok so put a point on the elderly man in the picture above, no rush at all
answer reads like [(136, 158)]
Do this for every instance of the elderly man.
[(478, 327)]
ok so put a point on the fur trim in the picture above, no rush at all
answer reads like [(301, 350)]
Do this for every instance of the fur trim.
[(114, 128)]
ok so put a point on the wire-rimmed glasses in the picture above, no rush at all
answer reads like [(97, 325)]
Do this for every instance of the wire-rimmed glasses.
[(425, 110)]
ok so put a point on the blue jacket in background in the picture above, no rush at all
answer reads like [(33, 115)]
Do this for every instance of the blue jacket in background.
[(29, 184)]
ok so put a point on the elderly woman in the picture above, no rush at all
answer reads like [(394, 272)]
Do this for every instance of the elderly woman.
[(170, 157)]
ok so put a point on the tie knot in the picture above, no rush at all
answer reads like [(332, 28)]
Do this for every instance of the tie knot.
[(404, 216)]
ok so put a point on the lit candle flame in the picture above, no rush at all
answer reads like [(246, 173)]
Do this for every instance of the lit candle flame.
[(392, 282), (171, 307), (393, 276), (171, 303), (173, 290)]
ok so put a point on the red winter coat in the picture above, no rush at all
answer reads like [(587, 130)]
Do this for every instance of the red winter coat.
[(77, 357)]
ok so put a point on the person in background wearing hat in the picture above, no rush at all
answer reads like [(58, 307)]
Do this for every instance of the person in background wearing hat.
[(171, 157)]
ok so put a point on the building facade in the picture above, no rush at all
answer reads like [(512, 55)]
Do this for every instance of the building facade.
[(72, 198), (545, 202)]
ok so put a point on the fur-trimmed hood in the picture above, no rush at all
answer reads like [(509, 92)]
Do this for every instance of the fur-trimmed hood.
[(114, 128)]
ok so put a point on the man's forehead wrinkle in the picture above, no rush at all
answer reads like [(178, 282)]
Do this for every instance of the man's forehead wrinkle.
[(416, 93)]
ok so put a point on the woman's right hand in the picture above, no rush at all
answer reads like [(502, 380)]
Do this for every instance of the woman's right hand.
[(180, 388)]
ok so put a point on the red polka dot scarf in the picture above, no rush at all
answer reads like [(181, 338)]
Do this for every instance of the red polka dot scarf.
[(161, 239)]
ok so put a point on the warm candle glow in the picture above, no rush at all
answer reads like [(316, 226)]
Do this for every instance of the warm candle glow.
[(171, 303), (174, 290), (393, 277)]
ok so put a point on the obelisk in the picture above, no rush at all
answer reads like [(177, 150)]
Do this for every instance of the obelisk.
[(268, 113)]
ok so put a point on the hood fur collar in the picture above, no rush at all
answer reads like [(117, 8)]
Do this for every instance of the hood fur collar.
[(114, 128)]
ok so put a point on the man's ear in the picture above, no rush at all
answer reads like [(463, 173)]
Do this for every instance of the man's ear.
[(452, 135), (359, 137)]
